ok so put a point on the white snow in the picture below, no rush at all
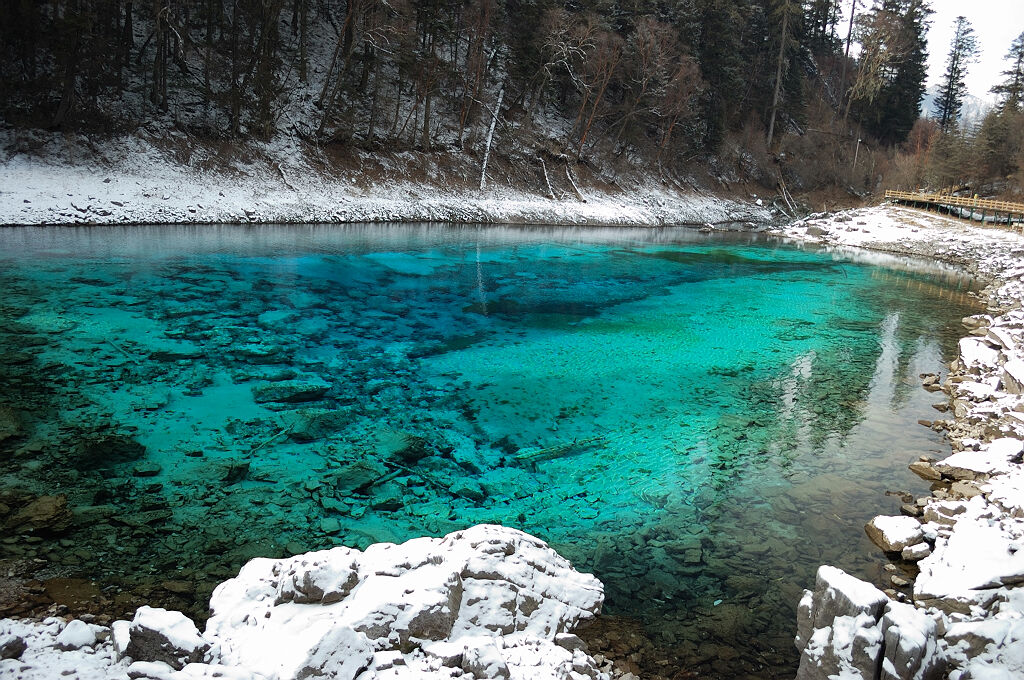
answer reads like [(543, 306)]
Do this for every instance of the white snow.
[(179, 630), (76, 634), (992, 459), (132, 181)]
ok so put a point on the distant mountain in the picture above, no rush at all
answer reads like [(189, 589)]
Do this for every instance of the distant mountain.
[(972, 112)]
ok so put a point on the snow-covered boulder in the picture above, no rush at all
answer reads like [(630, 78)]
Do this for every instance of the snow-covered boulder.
[(977, 353), (848, 628), (76, 634), (161, 635), (910, 649), (994, 458), (1013, 376), (893, 534), (973, 561), (837, 626), (489, 600)]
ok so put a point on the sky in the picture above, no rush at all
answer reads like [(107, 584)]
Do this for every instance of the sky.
[(996, 23)]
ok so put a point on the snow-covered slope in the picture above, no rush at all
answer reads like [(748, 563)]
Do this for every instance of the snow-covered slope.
[(132, 181)]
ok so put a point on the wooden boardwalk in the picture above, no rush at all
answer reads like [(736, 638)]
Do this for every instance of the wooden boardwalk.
[(984, 209)]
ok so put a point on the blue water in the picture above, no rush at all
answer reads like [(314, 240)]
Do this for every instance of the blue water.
[(700, 420)]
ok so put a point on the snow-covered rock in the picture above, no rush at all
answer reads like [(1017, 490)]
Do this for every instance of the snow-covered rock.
[(170, 637), (893, 534), (487, 589), (977, 352), (836, 626), (994, 458), (76, 634), (910, 645)]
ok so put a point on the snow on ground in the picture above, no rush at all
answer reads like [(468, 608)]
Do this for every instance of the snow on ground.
[(960, 589), (131, 181)]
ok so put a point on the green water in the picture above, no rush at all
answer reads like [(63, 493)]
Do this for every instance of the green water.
[(698, 420)]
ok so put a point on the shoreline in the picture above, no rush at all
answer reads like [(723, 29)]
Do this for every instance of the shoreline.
[(952, 607)]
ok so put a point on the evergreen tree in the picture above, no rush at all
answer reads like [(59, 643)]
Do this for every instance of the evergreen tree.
[(962, 52), (1012, 89), (891, 71), (821, 17)]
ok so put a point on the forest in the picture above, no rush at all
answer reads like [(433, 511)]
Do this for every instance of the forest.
[(748, 88)]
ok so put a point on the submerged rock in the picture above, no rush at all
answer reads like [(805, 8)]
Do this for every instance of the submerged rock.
[(105, 451), (11, 426), (356, 477), (291, 391), (313, 424), (403, 447), (45, 513)]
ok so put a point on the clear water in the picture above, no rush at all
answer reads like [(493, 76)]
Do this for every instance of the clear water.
[(699, 420)]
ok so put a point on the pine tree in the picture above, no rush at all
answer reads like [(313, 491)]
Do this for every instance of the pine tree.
[(891, 71), (822, 17), (962, 52), (1012, 89)]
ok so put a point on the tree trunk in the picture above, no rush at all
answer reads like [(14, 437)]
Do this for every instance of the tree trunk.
[(778, 75), (490, 135), (846, 59)]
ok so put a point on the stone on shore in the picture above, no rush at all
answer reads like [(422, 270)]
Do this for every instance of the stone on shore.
[(849, 629), (894, 533), (1013, 376), (837, 631), (76, 634), (157, 634), (993, 458), (499, 594), (976, 353), (910, 650), (11, 646)]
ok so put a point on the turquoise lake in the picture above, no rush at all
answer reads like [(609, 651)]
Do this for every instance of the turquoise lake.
[(698, 419)]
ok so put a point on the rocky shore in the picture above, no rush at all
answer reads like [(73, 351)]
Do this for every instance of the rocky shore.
[(487, 602), (953, 607)]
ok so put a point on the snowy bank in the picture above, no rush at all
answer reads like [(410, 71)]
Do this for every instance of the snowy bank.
[(132, 181), (958, 609), (487, 602)]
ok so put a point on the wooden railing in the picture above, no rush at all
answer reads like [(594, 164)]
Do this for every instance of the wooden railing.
[(985, 205)]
